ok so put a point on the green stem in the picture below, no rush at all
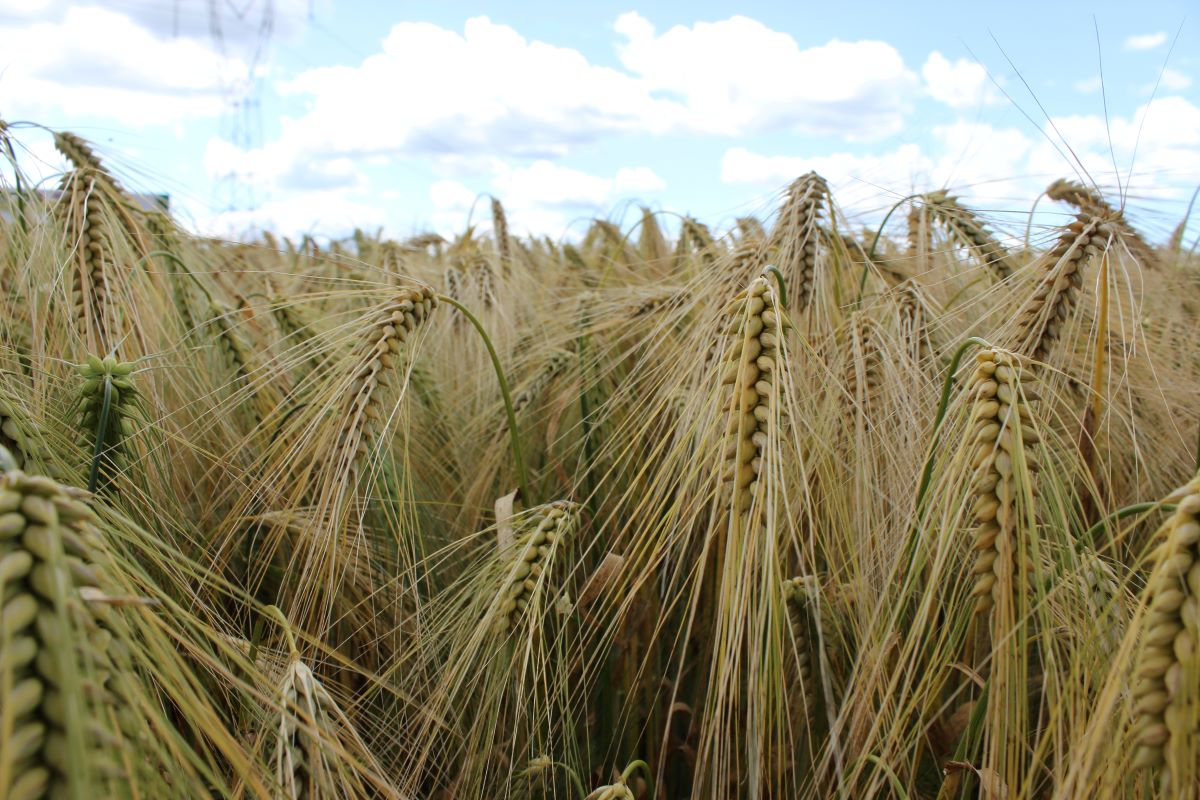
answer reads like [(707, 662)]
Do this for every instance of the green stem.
[(774, 270), (101, 430), (1121, 513), (633, 767), (862, 282), (514, 436), (287, 628), (943, 404)]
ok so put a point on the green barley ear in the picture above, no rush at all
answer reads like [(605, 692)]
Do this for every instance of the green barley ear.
[(57, 735), (107, 402), (546, 532)]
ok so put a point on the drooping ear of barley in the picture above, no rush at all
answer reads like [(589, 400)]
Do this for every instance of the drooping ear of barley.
[(554, 366), (1000, 434), (375, 354), (1001, 428), (538, 551), (863, 370), (1091, 202), (317, 752), (1041, 318), (56, 737), (500, 233), (749, 366), (1167, 677), (920, 237), (750, 229), (92, 256), (799, 593), (107, 405), (915, 311), (965, 225), (797, 234)]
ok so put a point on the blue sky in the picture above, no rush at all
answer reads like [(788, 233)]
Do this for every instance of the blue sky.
[(402, 114)]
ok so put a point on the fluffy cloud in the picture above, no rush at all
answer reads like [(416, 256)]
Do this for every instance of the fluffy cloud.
[(738, 76), (432, 91), (997, 165), (960, 84), (1146, 41), (316, 212), (92, 61), (488, 92)]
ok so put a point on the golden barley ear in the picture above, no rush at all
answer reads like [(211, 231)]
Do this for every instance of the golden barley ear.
[(1165, 690)]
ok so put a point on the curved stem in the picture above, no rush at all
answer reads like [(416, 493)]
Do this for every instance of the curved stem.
[(514, 436), (943, 404), (633, 767), (101, 431), (862, 282), (1029, 222), (275, 611), (774, 270), (1121, 513)]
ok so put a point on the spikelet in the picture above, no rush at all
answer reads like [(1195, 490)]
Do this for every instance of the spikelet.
[(84, 159), (1001, 428), (864, 363), (453, 280), (749, 368), (107, 404), (797, 234), (56, 738), (91, 261), (312, 740), (750, 229), (920, 237), (234, 354), (799, 593), (500, 233), (373, 358), (1040, 319), (914, 310), (547, 529), (1091, 202), (965, 226), (555, 364), (1167, 678)]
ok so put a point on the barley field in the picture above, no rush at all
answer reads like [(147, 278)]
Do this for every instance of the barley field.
[(794, 509)]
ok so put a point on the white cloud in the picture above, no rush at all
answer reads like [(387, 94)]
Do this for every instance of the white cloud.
[(960, 84), (1089, 85), (98, 62), (463, 99), (1145, 41), (1174, 80), (1003, 167), (543, 197), (635, 180), (738, 76), (315, 212)]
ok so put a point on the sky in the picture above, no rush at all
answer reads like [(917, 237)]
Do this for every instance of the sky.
[(313, 116)]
